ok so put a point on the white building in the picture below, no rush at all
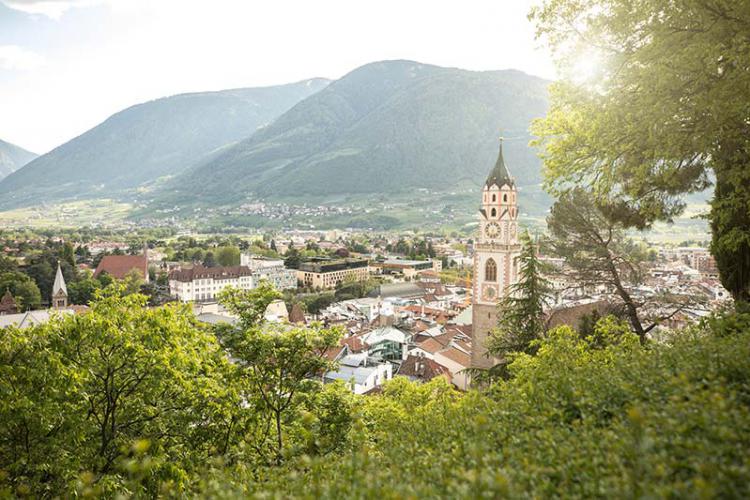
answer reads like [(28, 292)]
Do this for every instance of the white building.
[(359, 374), (200, 284)]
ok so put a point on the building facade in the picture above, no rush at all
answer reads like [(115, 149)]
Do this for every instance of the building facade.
[(327, 273), (271, 270), (203, 284), (496, 254), (409, 268)]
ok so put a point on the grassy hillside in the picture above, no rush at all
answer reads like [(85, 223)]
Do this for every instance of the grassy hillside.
[(386, 127), (148, 141)]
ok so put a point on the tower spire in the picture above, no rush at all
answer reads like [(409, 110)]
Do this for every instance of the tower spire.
[(499, 174), (59, 290)]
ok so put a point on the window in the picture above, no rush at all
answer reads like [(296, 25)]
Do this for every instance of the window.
[(493, 213), (505, 198), (494, 197), (490, 270)]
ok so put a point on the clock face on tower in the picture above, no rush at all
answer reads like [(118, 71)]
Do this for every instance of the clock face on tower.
[(492, 230)]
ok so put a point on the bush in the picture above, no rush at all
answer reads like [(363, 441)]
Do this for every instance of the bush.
[(601, 416)]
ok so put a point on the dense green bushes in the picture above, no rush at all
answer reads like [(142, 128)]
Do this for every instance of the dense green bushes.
[(602, 416), (136, 400), (597, 417)]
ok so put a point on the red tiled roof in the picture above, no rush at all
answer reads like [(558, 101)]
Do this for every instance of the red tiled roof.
[(8, 304), (354, 343), (423, 368), (118, 266), (463, 329), (431, 345), (333, 353), (459, 357), (296, 315), (429, 311)]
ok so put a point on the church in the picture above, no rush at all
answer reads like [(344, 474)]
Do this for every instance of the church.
[(496, 252)]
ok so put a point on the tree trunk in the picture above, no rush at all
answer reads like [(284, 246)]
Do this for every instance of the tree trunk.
[(279, 441)]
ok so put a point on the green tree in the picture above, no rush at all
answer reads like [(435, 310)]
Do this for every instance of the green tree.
[(23, 289), (133, 281), (7, 264), (209, 260), (598, 252), (228, 256), (105, 279), (43, 275), (83, 291), (521, 318), (279, 361), (80, 391), (666, 111), (67, 254), (292, 258)]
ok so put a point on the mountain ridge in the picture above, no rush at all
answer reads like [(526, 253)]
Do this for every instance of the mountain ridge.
[(144, 142), (423, 119), (13, 157)]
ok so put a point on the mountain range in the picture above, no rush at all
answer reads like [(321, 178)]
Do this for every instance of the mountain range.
[(12, 158), (386, 127), (143, 143)]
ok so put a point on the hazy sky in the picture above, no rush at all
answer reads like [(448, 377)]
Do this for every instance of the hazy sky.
[(66, 65)]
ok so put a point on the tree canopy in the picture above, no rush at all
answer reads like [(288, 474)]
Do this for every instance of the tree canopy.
[(665, 112)]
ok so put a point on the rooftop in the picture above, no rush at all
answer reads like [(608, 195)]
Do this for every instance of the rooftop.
[(118, 266), (499, 175)]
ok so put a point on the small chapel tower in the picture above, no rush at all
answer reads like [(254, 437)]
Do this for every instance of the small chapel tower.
[(59, 290), (495, 255)]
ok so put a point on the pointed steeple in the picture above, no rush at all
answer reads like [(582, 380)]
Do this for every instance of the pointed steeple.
[(499, 174), (59, 290), (8, 304)]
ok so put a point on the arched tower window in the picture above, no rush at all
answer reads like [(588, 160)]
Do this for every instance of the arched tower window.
[(505, 198), (490, 270), (493, 212), (494, 197)]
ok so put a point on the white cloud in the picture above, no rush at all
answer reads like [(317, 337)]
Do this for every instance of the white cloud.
[(13, 57), (51, 8)]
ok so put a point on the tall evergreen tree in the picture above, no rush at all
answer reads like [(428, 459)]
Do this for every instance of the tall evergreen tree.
[(522, 309)]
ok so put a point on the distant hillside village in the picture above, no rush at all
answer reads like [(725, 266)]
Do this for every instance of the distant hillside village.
[(418, 307)]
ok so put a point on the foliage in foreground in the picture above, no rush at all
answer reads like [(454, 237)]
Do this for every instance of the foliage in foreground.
[(134, 400), (597, 417), (600, 416)]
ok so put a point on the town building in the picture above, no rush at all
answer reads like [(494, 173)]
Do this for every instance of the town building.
[(496, 254), (8, 304), (271, 270), (120, 266), (59, 291), (324, 273), (201, 284), (407, 268), (360, 374)]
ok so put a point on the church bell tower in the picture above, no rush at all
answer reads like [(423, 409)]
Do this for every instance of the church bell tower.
[(496, 254)]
